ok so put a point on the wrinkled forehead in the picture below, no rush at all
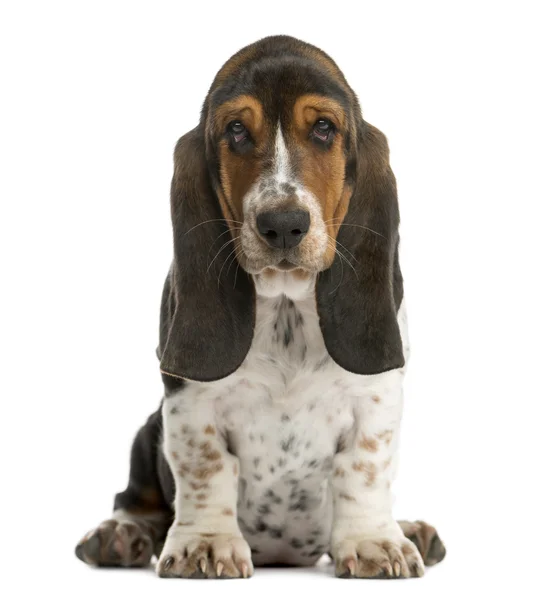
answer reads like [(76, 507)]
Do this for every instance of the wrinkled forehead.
[(278, 85)]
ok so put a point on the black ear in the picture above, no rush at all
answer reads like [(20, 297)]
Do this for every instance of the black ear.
[(358, 309), (207, 312)]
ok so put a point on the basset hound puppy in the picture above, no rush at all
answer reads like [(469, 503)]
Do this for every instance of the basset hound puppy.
[(283, 341)]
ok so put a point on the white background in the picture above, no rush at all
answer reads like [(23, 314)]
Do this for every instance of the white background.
[(95, 95)]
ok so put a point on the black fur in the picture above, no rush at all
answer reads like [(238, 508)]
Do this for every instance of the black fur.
[(358, 309), (207, 321)]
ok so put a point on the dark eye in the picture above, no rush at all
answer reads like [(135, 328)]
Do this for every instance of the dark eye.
[(323, 130), (237, 131)]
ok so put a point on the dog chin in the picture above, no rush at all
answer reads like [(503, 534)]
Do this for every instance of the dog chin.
[(295, 283)]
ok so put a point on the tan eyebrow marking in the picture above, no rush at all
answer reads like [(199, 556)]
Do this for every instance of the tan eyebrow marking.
[(244, 107), (309, 108)]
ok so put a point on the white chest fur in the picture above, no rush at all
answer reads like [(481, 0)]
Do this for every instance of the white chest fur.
[(284, 414)]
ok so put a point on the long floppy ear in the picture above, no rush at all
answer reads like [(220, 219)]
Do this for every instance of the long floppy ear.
[(358, 307), (207, 312)]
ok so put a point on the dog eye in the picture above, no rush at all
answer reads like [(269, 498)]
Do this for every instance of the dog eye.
[(323, 130), (237, 131)]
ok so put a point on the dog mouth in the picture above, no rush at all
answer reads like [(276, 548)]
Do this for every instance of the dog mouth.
[(286, 265), (275, 264)]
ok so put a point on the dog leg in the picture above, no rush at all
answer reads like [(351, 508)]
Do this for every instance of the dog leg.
[(426, 539), (204, 540), (367, 541)]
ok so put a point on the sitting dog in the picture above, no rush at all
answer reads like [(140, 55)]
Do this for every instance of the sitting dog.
[(283, 341)]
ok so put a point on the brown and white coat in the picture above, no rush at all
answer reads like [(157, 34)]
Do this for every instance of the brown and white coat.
[(283, 340)]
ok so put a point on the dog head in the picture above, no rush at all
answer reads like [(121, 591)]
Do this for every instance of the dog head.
[(281, 181)]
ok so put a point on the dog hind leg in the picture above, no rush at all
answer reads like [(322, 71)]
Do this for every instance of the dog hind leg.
[(426, 539), (141, 514)]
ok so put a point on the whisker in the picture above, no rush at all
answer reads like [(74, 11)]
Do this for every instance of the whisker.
[(234, 251), (212, 221), (237, 256), (224, 233), (341, 273), (360, 226), (343, 257), (363, 227), (218, 253), (234, 257), (351, 266), (340, 244)]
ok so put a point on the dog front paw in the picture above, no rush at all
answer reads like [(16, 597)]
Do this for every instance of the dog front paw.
[(377, 558), (205, 556)]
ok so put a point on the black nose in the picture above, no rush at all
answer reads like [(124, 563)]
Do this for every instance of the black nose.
[(283, 229)]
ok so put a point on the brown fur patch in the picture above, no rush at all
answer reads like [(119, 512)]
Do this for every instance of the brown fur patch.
[(376, 399), (244, 108), (207, 471), (311, 107), (368, 443), (385, 436), (227, 512), (200, 506), (183, 469), (210, 430), (208, 453), (339, 472), (369, 468), (186, 523), (198, 486), (201, 496), (150, 496), (212, 455), (300, 274)]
